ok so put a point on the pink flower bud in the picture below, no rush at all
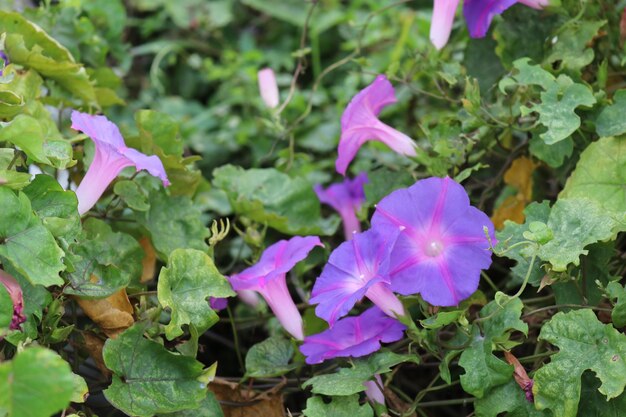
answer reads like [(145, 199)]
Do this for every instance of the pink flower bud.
[(268, 87), (15, 291)]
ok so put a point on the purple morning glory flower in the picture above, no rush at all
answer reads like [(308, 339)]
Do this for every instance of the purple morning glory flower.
[(267, 277), (15, 292), (218, 303), (346, 197), (442, 247), (360, 124), (478, 16), (112, 155), (353, 336), (356, 269)]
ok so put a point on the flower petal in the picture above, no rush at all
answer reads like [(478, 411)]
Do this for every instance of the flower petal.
[(441, 23), (479, 13), (268, 87)]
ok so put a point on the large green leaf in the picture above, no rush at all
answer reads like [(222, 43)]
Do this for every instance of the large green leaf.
[(509, 398), (36, 383), (483, 370), (570, 48), (56, 207), (148, 379), (611, 120), (269, 358), (25, 243), (268, 196), (104, 261), (600, 175), (584, 343), (350, 381), (338, 407), (173, 223), (575, 224), (185, 287)]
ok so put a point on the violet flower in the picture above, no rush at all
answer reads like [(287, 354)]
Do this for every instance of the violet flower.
[(15, 291), (112, 155), (268, 87), (353, 336), (268, 278), (442, 246), (360, 124), (218, 303), (478, 16), (346, 197), (356, 269)]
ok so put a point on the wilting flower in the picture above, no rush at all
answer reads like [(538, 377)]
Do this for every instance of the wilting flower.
[(360, 124), (353, 336), (15, 291), (346, 197), (478, 16), (268, 87), (356, 269), (268, 278), (442, 246), (373, 391), (112, 155)]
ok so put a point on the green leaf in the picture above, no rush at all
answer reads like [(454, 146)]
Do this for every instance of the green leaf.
[(553, 155), (36, 383), (350, 381), (25, 132), (611, 120), (570, 50), (600, 175), (160, 129), (29, 45), (173, 223), (558, 102), (584, 343), (513, 233), (339, 407), (617, 292), (509, 398), (441, 319), (594, 404), (575, 223), (148, 379), (270, 197), (269, 358), (209, 407), (132, 194), (185, 287), (104, 261), (56, 207), (25, 243)]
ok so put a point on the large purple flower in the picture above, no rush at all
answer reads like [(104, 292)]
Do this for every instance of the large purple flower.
[(15, 292), (360, 123), (356, 269), (112, 155), (478, 16), (268, 277), (353, 336), (346, 197), (442, 246)]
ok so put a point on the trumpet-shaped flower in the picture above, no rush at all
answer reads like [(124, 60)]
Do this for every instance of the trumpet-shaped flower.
[(478, 16), (360, 124), (268, 87), (268, 278), (442, 246), (111, 156), (15, 292), (356, 269), (353, 336), (346, 197)]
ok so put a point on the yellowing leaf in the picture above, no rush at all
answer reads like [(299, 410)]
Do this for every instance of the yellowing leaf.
[(519, 176), (113, 314)]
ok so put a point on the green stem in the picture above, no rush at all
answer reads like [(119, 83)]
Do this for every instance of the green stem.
[(236, 340)]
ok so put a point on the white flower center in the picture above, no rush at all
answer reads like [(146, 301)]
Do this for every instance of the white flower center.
[(433, 248)]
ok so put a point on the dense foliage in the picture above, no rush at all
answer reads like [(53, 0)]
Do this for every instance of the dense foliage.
[(118, 308)]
